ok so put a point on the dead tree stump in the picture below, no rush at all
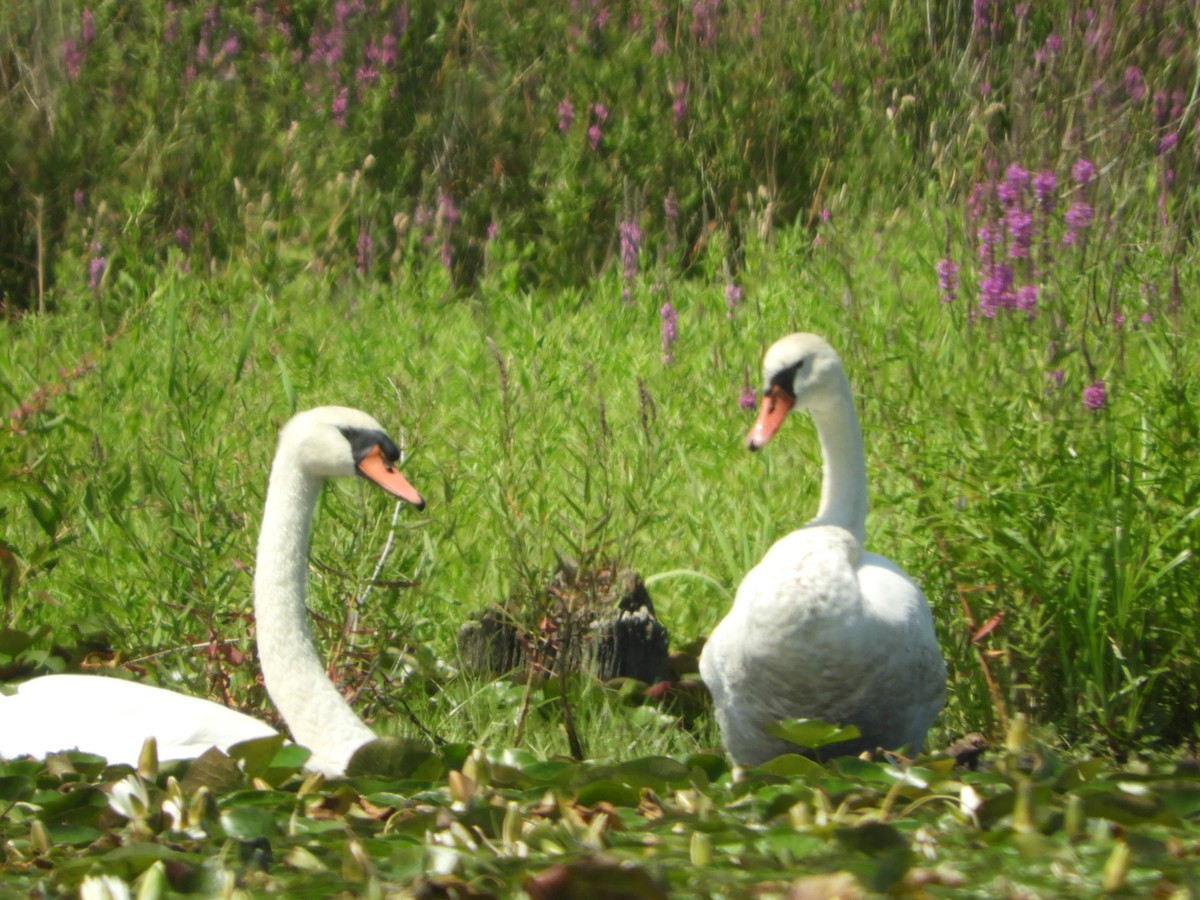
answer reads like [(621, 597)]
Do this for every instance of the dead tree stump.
[(619, 633)]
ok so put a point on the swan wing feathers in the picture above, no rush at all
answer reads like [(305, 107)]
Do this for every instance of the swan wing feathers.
[(818, 630), (112, 718)]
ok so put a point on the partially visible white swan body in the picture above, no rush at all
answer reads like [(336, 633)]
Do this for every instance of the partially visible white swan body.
[(113, 717), (820, 629)]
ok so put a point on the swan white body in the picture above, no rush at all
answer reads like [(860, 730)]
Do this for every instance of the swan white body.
[(113, 717), (820, 629)]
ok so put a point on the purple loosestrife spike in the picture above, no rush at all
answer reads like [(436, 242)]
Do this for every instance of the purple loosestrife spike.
[(1083, 172), (96, 266), (1044, 185), (87, 28), (72, 58), (1078, 217), (1016, 182), (566, 114), (363, 257), (947, 272), (1027, 297), (1168, 142), (995, 290), (679, 109), (1020, 230), (1135, 85), (670, 331), (338, 106), (446, 209), (746, 397), (1095, 396), (630, 236), (733, 298)]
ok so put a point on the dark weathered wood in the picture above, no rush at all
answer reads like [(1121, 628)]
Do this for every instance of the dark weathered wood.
[(621, 637)]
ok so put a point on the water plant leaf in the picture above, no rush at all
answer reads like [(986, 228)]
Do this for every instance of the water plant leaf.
[(812, 733), (395, 757)]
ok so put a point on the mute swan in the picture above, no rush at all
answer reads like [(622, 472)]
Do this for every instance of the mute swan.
[(820, 629), (113, 717)]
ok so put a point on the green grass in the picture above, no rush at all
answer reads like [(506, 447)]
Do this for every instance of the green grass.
[(132, 498)]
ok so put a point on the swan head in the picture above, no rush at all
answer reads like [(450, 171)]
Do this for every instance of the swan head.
[(800, 370), (336, 441)]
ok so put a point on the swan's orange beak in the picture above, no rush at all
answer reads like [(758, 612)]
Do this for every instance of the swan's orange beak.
[(375, 468), (776, 404)]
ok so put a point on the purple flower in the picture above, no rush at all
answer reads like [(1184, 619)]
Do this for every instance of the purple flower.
[(679, 109), (1168, 142), (446, 209), (1135, 85), (989, 237), (1020, 229), (670, 332), (671, 206), (995, 289), (599, 114), (446, 254), (733, 298), (947, 272), (704, 21), (1095, 396), (1027, 297), (566, 114), (746, 397), (72, 58), (1014, 185), (87, 28), (338, 106), (630, 236), (492, 230), (1056, 376), (96, 266), (1083, 172), (78, 198), (183, 240), (363, 255), (1044, 185), (1078, 217)]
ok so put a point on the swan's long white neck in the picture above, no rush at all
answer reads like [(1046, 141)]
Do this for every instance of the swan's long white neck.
[(844, 470), (318, 716)]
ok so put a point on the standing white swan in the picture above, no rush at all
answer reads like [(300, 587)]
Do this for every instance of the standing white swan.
[(820, 629), (113, 717)]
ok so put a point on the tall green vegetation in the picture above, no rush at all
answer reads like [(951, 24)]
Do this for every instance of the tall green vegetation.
[(216, 214)]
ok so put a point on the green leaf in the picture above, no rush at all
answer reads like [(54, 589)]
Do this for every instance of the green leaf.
[(615, 792), (13, 641), (257, 754), (249, 823), (395, 757), (811, 733)]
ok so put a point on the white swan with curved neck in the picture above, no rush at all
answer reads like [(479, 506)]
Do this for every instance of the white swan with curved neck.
[(821, 629), (113, 717)]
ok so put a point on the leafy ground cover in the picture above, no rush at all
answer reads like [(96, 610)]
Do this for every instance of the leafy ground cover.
[(554, 283)]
